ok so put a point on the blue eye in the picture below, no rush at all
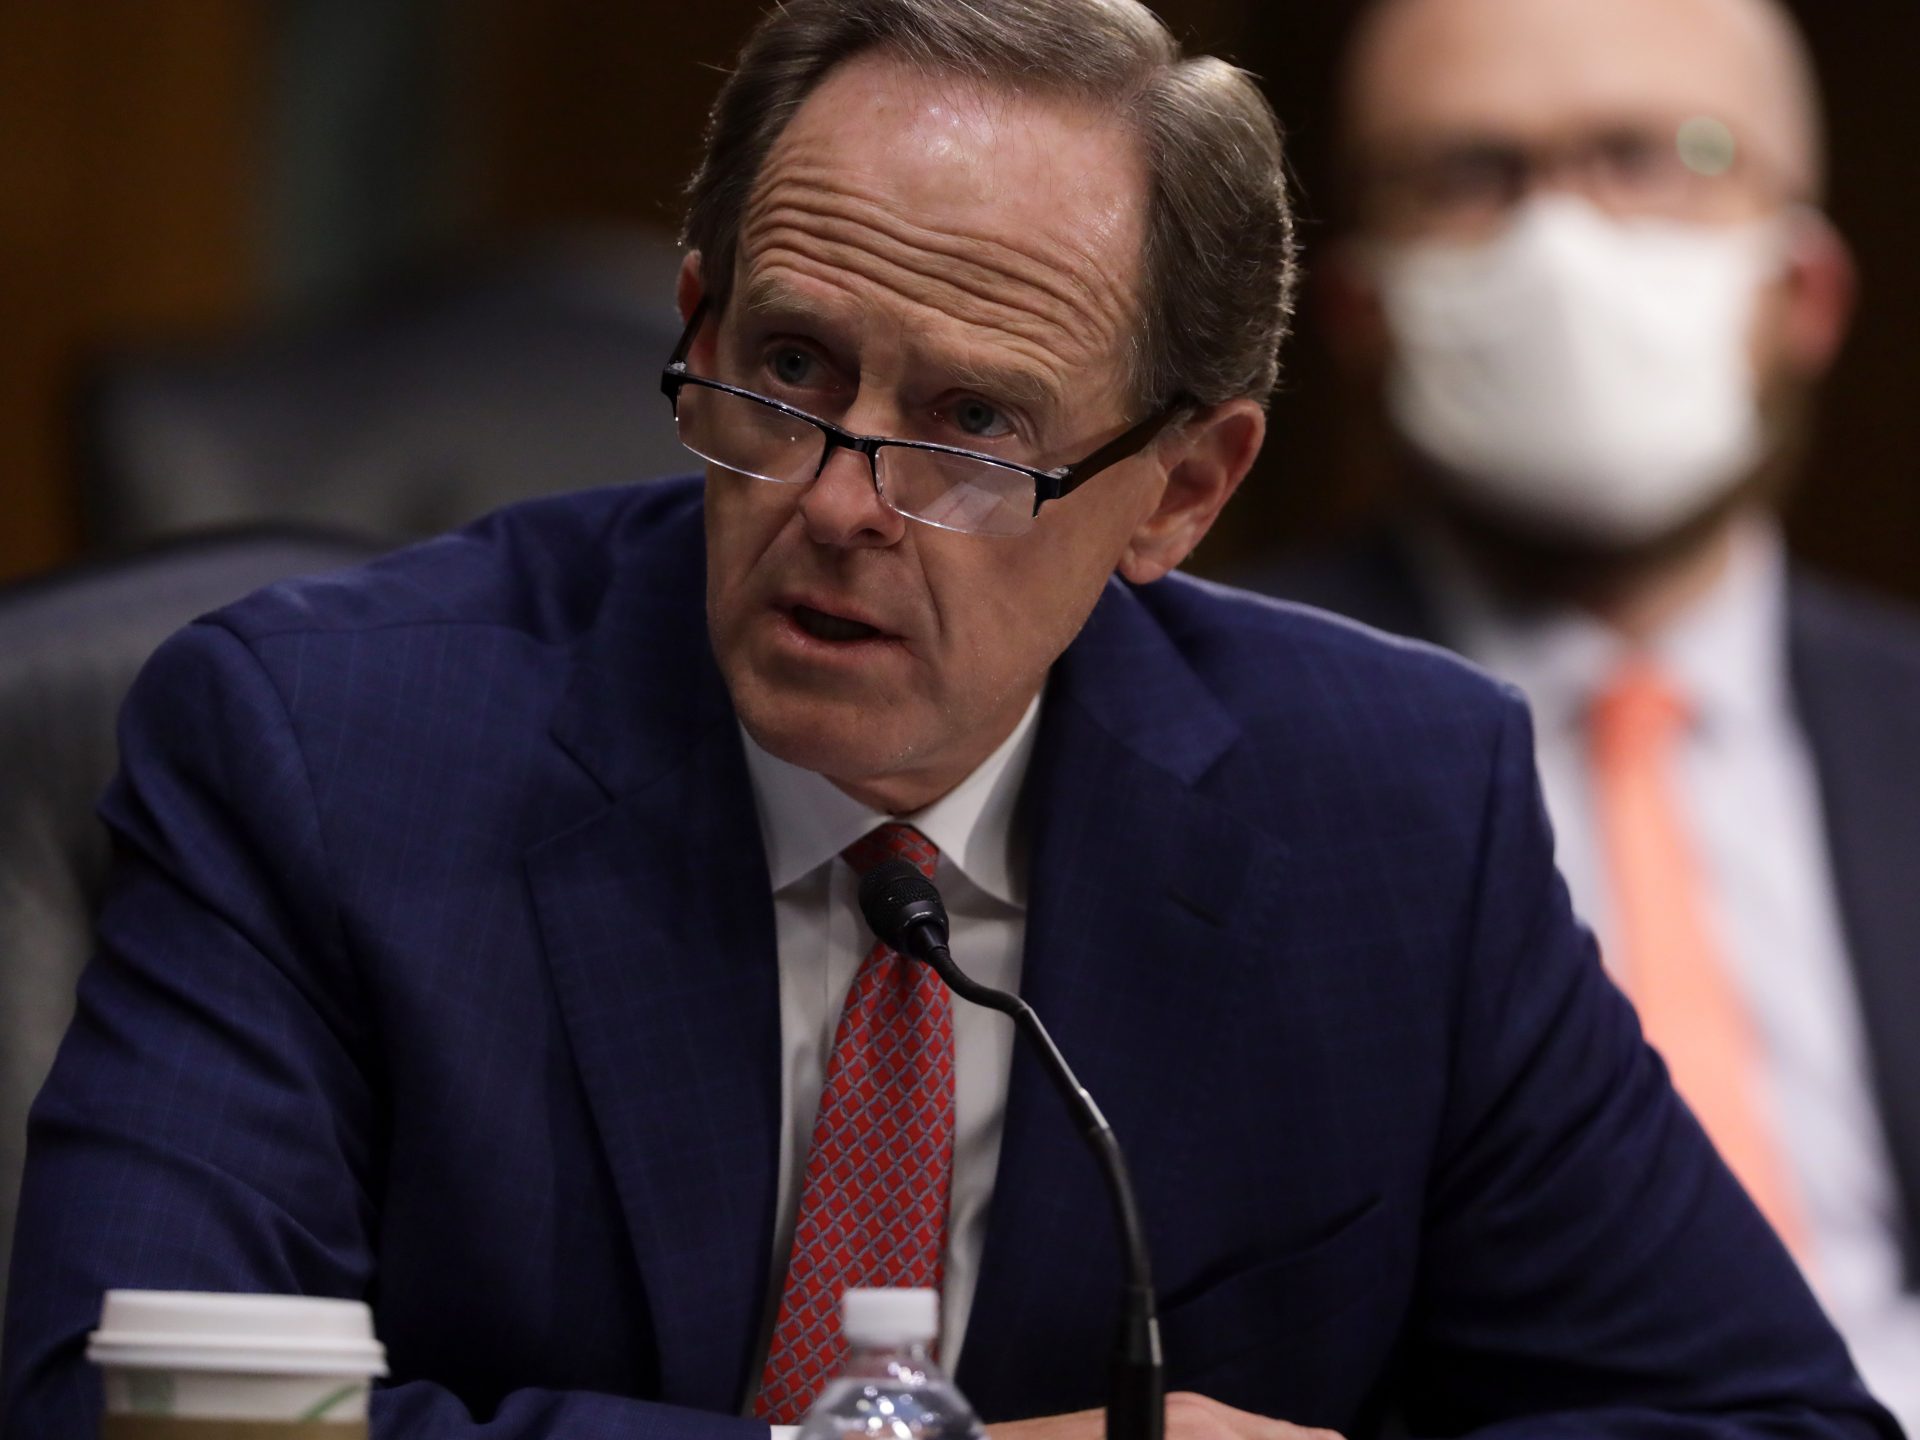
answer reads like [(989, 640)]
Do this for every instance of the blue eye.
[(790, 365), (980, 420)]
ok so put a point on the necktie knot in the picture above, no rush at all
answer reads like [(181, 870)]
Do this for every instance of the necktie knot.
[(892, 841), (1639, 711)]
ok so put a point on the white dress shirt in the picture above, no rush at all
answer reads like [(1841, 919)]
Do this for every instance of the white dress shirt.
[(1752, 799), (806, 821)]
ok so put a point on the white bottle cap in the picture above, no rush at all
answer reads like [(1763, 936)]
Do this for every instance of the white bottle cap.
[(890, 1317)]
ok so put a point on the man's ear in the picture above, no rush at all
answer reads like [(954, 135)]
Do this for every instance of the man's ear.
[(687, 289), (1210, 455), (1346, 300), (1817, 295)]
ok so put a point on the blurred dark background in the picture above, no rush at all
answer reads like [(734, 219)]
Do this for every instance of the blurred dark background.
[(320, 256)]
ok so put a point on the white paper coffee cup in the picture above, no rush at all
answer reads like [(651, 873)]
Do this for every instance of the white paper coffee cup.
[(296, 1360)]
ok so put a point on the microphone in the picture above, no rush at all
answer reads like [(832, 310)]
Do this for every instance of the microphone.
[(903, 909)]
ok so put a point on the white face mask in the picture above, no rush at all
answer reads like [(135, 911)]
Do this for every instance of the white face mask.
[(1590, 377)]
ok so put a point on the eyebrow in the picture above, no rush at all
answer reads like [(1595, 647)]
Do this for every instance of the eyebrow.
[(1025, 388), (762, 295), (1035, 392)]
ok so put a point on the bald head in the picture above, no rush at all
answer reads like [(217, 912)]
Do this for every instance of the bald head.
[(1537, 71)]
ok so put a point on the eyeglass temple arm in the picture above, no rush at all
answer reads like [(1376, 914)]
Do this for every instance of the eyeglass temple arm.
[(669, 379), (1130, 442)]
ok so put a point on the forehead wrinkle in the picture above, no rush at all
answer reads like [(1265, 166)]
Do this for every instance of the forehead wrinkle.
[(1045, 367), (840, 199), (855, 231), (770, 293), (942, 292)]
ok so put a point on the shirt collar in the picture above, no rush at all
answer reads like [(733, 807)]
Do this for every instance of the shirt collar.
[(806, 820), (1729, 649), (1725, 653)]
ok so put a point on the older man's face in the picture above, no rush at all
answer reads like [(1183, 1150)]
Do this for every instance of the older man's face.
[(929, 259)]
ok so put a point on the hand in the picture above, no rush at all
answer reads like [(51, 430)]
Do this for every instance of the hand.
[(1189, 1417)]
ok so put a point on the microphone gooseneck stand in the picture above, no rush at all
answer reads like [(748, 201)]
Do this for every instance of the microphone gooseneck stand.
[(904, 909)]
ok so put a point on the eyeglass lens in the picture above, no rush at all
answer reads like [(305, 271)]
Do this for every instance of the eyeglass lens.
[(1692, 173), (952, 492)]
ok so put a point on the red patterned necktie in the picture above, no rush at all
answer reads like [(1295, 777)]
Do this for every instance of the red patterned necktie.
[(873, 1209)]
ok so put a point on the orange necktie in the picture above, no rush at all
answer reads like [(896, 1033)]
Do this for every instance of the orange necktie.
[(1689, 1006)]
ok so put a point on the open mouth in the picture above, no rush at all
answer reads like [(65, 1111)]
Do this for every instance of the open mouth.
[(822, 626)]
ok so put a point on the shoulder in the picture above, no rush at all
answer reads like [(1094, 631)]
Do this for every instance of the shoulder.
[(1854, 628), (1265, 656), (539, 569), (409, 695), (1321, 725), (476, 633)]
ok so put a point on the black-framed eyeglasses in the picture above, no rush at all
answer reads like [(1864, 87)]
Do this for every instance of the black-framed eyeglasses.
[(1470, 185), (939, 485)]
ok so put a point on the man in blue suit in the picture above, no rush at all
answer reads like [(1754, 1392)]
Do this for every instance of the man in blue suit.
[(481, 945)]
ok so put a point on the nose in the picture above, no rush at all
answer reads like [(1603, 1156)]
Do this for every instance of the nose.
[(842, 507)]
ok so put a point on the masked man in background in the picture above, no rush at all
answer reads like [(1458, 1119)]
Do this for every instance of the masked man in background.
[(1588, 278)]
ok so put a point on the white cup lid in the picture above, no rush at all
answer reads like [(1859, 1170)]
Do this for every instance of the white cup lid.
[(248, 1334), (890, 1317)]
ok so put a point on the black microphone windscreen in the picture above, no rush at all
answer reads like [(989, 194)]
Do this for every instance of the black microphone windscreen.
[(895, 896)]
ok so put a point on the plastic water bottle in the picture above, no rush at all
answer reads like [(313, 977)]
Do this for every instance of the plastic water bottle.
[(891, 1389)]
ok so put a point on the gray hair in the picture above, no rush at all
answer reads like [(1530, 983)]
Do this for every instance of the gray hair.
[(1220, 266)]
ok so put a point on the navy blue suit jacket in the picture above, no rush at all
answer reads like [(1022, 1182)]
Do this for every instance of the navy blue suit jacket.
[(1854, 664), (439, 970)]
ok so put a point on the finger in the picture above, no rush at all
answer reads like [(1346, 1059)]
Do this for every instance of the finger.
[(1198, 1417)]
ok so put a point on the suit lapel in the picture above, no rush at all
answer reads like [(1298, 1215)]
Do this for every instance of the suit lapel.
[(1141, 885), (1861, 735), (658, 923)]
